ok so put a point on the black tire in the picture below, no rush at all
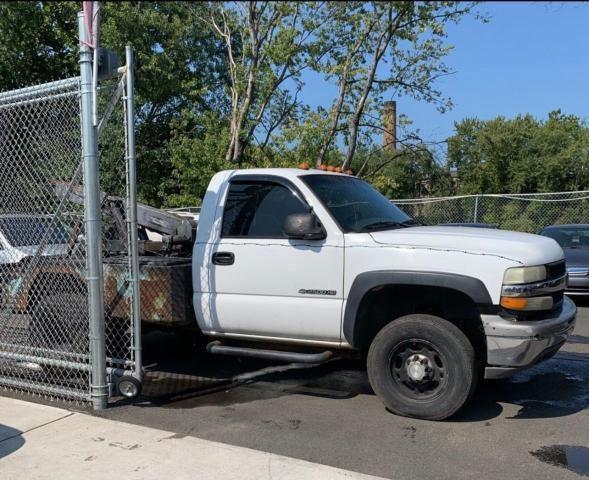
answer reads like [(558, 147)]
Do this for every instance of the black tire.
[(430, 347)]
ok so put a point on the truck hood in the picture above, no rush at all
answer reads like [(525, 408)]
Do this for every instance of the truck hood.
[(524, 248)]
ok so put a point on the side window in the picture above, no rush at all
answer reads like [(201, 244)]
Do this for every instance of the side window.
[(258, 209)]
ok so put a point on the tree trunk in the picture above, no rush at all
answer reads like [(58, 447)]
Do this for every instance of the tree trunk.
[(381, 46)]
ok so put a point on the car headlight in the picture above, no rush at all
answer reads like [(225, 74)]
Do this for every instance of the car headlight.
[(517, 275)]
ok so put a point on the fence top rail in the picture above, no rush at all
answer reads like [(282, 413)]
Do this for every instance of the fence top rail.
[(37, 90), (529, 197)]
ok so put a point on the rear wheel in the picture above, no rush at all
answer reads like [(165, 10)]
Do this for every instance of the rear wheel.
[(422, 366)]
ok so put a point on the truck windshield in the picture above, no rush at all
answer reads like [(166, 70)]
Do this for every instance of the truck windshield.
[(356, 205), (29, 231)]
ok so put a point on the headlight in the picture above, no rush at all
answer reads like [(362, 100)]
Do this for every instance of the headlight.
[(518, 275)]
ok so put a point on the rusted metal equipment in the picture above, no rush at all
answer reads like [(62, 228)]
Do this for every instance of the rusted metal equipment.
[(165, 287)]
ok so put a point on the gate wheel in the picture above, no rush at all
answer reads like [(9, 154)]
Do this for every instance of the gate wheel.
[(128, 387)]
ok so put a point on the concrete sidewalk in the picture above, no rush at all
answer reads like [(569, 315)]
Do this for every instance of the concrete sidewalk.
[(41, 442)]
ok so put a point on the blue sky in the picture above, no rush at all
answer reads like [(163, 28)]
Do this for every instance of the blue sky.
[(531, 57)]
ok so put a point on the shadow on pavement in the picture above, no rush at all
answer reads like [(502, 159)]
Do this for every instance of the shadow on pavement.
[(188, 377), (185, 376), (10, 440)]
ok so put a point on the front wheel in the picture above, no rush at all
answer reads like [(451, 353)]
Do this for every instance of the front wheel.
[(422, 366)]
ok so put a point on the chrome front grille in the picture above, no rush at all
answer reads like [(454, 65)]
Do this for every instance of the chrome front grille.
[(534, 289), (555, 270)]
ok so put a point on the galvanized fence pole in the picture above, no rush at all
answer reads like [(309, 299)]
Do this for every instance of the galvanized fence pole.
[(132, 213), (476, 209), (92, 212)]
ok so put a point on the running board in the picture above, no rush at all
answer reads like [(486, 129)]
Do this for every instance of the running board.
[(218, 348)]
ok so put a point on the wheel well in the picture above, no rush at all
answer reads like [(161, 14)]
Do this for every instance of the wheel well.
[(385, 303)]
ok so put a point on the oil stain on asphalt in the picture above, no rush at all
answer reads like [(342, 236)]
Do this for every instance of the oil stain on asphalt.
[(571, 457)]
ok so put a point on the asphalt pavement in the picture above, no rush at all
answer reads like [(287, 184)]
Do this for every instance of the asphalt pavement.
[(535, 425)]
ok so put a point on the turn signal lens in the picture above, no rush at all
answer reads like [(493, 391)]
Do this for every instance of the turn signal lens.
[(527, 303), (513, 303)]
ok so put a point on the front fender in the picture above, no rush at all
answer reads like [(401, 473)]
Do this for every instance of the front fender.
[(363, 283)]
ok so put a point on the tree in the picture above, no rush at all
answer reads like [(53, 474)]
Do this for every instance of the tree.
[(267, 44), (177, 65), (520, 155), (37, 42), (411, 171), (178, 68), (237, 68), (379, 48), (195, 157)]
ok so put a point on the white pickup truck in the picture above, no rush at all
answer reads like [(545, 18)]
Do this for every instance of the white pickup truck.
[(302, 265)]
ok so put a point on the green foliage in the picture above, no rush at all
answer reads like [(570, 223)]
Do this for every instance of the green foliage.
[(193, 102), (301, 138), (266, 46), (196, 152), (177, 66), (522, 155), (378, 50), (404, 173), (37, 42)]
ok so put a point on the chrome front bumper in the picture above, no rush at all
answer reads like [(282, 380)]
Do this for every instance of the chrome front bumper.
[(513, 345)]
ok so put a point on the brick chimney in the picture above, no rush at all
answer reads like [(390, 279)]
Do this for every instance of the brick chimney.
[(389, 124)]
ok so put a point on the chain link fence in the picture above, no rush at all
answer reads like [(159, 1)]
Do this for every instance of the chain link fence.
[(44, 343), (519, 212), (45, 324)]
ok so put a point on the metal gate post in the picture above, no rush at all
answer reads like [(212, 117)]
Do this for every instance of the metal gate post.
[(476, 209), (98, 382), (132, 213)]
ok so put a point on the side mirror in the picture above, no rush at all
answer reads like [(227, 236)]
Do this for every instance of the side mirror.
[(303, 226)]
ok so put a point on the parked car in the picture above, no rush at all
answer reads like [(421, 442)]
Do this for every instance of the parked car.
[(21, 234), (574, 240)]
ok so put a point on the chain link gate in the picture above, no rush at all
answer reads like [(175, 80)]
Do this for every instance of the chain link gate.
[(44, 314), (46, 329), (520, 212)]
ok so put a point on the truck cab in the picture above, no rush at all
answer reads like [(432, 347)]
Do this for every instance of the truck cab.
[(311, 261)]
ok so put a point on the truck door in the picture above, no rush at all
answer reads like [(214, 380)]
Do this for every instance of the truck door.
[(262, 284)]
